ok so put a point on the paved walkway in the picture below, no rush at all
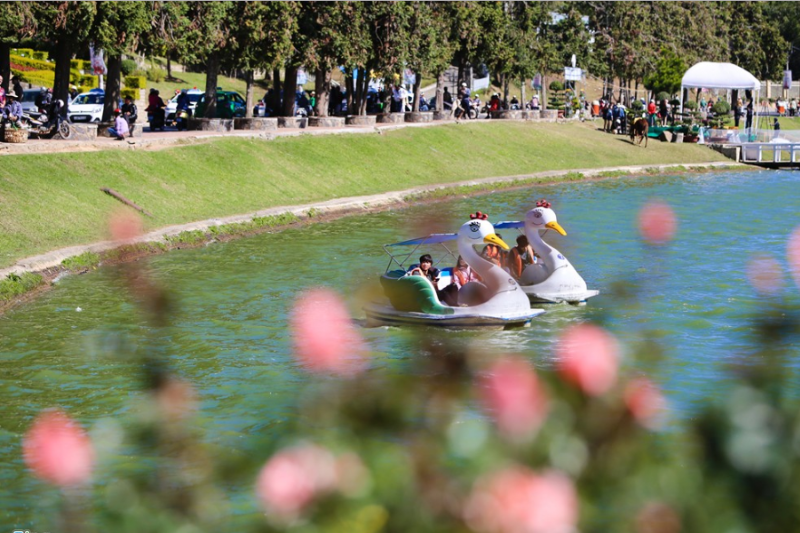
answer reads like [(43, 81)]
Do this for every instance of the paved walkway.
[(331, 207)]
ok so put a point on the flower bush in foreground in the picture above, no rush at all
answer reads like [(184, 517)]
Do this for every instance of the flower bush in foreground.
[(467, 441)]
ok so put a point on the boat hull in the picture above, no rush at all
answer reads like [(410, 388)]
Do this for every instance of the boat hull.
[(383, 315), (536, 296)]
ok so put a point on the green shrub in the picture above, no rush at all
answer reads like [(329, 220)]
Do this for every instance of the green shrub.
[(136, 82), (90, 81), (690, 105), (41, 55), (139, 72), (42, 78), (721, 107), (556, 85), (26, 52), (84, 89), (637, 106), (18, 284), (156, 74), (128, 66), (133, 93), (75, 76), (663, 95), (33, 63), (80, 64)]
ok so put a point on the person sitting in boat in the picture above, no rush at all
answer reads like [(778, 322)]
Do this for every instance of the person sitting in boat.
[(463, 273), (426, 269), (520, 256), (493, 254)]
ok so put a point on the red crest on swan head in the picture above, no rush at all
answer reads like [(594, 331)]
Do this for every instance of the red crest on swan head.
[(478, 216), (543, 203)]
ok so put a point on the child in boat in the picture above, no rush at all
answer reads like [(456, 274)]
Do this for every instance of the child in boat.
[(520, 256), (426, 269), (463, 274)]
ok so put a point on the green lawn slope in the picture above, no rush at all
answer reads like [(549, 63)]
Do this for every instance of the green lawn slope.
[(51, 201)]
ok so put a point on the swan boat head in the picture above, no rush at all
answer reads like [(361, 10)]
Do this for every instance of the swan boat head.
[(541, 218)]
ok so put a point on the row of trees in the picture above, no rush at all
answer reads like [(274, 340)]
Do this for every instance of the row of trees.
[(615, 40)]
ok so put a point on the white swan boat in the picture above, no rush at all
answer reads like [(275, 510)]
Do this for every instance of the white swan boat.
[(413, 299), (552, 279)]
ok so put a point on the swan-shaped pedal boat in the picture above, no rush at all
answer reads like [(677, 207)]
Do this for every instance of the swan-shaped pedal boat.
[(552, 279), (412, 299)]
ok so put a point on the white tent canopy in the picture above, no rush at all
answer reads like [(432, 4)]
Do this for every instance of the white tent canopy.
[(719, 76)]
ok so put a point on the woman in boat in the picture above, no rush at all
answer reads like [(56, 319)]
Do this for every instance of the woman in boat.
[(493, 254), (426, 269), (463, 274), (520, 256)]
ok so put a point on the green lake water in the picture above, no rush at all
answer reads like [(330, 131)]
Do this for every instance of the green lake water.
[(229, 334)]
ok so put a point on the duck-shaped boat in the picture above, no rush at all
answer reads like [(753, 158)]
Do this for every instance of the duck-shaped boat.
[(552, 279), (413, 299)]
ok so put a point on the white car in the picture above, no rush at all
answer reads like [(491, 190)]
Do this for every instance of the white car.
[(172, 105), (87, 107)]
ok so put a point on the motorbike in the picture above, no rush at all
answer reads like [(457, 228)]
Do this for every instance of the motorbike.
[(157, 119), (47, 125)]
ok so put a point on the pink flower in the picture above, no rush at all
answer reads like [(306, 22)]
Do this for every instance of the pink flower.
[(644, 401), (124, 226), (324, 337), (293, 477), (57, 450), (793, 255), (765, 274), (587, 357), (657, 222), (514, 396), (516, 500)]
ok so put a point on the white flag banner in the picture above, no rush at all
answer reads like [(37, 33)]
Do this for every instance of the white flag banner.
[(98, 65)]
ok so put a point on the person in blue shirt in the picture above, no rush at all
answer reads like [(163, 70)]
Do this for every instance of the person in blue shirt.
[(12, 112)]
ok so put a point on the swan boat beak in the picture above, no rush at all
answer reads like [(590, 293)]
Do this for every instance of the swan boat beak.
[(555, 226), (494, 239)]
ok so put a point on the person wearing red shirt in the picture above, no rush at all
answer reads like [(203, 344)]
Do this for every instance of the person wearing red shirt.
[(651, 113)]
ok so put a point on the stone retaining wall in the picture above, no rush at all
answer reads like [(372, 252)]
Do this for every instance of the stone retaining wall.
[(292, 122), (442, 115), (507, 114), (326, 122), (210, 124), (391, 118), (417, 117), (360, 120), (255, 123), (549, 114), (81, 132)]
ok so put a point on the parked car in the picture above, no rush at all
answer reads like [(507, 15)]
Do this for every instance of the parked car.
[(28, 100), (88, 107), (172, 105), (230, 104)]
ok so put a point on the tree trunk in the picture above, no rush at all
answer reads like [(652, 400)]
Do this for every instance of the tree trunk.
[(5, 65), (63, 54), (114, 70), (505, 90), (417, 85), (169, 67), (289, 90), (440, 92), (522, 94), (543, 99), (362, 92), (212, 72), (322, 86), (275, 104), (460, 73), (248, 80)]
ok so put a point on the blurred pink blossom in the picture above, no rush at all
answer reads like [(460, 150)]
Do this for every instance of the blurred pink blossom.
[(124, 226), (294, 477), (588, 357), (57, 450), (765, 273), (793, 254), (516, 500), (514, 396), (324, 337), (657, 222), (645, 401)]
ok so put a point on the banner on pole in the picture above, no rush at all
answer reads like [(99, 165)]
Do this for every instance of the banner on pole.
[(96, 58), (787, 79)]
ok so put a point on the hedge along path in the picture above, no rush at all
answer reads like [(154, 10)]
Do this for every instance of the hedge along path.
[(195, 233), (51, 201)]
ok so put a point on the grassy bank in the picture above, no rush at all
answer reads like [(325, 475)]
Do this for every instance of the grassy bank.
[(52, 201)]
